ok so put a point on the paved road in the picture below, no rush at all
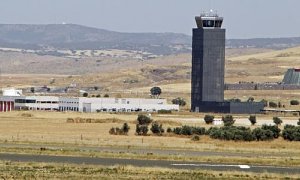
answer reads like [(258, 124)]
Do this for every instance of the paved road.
[(142, 150), (148, 163)]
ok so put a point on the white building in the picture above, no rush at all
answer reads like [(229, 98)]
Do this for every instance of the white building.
[(49, 103), (82, 104)]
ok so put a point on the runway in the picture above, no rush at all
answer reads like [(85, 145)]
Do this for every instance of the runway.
[(148, 163)]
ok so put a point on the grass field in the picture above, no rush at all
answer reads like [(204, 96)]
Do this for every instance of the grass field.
[(12, 170), (52, 127)]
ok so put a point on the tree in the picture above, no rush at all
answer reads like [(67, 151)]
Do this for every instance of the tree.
[(277, 121), (143, 119), (294, 102), (157, 128), (141, 129), (179, 101), (209, 119), (85, 94), (250, 99), (32, 89), (106, 95), (228, 120), (155, 91), (98, 96), (252, 119), (298, 123), (272, 104), (142, 124), (125, 128)]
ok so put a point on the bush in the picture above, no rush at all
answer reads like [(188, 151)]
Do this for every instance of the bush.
[(294, 102), (186, 130), (228, 120), (209, 119), (141, 130), (112, 131), (291, 133), (177, 130), (85, 94), (232, 133), (275, 130), (163, 111), (120, 131), (252, 119), (298, 123), (179, 101), (198, 130), (125, 129), (272, 104), (189, 130), (263, 134), (143, 119), (157, 128), (277, 120), (169, 130), (250, 99), (195, 138), (106, 95)]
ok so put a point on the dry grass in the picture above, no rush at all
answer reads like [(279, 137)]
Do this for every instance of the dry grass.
[(51, 127), (14, 170)]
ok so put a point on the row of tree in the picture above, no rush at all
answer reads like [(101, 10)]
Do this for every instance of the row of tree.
[(228, 120), (227, 132)]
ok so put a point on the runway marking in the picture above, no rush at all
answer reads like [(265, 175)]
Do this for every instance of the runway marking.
[(213, 165)]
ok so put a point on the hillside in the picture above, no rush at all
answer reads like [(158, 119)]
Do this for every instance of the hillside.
[(55, 39), (71, 36)]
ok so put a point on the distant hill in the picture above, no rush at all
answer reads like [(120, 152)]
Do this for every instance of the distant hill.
[(272, 43), (77, 37), (71, 36)]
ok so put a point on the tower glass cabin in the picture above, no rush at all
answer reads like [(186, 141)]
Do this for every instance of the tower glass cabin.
[(208, 61)]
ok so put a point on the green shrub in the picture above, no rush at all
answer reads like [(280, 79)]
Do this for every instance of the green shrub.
[(125, 129), (198, 130), (291, 133), (298, 123), (143, 119), (209, 119), (169, 130), (163, 111), (277, 120), (228, 120), (275, 130), (112, 131), (272, 104), (252, 120), (157, 128), (179, 101), (232, 133), (263, 134), (186, 130), (141, 130), (195, 138), (294, 102)]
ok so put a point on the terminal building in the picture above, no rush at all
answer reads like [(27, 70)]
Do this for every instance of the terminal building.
[(208, 69), (83, 104)]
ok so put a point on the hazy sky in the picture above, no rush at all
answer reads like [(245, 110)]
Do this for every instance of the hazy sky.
[(243, 18)]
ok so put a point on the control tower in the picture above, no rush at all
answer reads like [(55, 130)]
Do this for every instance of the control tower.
[(208, 69), (208, 60)]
